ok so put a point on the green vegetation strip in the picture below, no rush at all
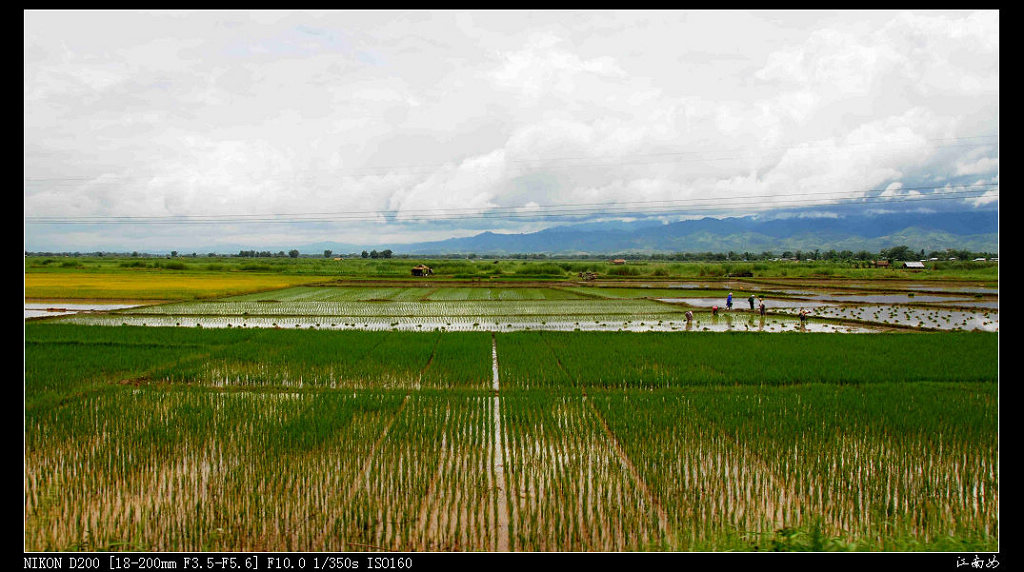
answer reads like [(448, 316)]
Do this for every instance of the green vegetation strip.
[(667, 359), (169, 439)]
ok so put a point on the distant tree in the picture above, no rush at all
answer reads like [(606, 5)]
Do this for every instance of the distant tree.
[(365, 254), (895, 253), (328, 253), (386, 253), (374, 254), (174, 253), (293, 253)]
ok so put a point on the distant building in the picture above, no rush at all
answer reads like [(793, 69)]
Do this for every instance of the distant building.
[(914, 265), (881, 264), (618, 261), (421, 270)]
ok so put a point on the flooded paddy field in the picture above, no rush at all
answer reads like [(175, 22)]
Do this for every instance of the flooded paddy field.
[(635, 307), (702, 322), (913, 316), (62, 308)]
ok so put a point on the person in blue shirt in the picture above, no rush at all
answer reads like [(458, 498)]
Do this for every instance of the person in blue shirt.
[(728, 301)]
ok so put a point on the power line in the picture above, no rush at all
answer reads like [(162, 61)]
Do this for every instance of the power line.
[(555, 206), (547, 212)]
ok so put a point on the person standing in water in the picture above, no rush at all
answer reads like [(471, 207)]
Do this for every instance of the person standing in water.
[(728, 302), (751, 300)]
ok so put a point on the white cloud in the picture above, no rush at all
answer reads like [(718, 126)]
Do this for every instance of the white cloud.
[(977, 167), (151, 114)]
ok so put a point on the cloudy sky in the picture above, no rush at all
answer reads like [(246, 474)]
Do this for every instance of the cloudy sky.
[(207, 130)]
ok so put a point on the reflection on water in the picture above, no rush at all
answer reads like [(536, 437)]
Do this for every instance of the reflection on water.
[(828, 312), (768, 302), (914, 317), (702, 322), (42, 310)]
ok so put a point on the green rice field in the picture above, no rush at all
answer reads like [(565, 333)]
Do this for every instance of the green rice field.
[(265, 439)]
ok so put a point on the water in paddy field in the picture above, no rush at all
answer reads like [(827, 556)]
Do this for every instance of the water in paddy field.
[(45, 309), (770, 303), (915, 317), (918, 306), (703, 322)]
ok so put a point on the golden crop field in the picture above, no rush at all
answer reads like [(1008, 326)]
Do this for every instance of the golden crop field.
[(153, 285)]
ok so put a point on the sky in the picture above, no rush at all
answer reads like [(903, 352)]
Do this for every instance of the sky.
[(220, 130)]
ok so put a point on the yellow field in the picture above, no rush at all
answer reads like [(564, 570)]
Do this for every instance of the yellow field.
[(152, 286)]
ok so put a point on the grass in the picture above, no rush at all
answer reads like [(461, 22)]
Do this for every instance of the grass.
[(150, 285), (305, 270)]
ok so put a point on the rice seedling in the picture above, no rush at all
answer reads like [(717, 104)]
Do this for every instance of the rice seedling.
[(317, 439)]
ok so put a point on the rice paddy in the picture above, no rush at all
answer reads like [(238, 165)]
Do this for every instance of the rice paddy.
[(404, 417)]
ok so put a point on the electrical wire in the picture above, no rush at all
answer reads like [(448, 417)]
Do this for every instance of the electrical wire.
[(556, 211)]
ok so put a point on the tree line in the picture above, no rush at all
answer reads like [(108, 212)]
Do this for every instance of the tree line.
[(896, 253)]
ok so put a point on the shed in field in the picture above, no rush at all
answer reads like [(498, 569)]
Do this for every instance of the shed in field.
[(914, 265), (881, 264), (618, 261), (421, 270)]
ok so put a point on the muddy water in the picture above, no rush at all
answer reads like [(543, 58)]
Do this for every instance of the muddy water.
[(737, 305), (703, 322), (888, 298), (834, 306), (46, 309), (916, 317)]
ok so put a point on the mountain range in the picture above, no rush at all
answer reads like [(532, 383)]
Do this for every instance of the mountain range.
[(977, 231), (973, 230)]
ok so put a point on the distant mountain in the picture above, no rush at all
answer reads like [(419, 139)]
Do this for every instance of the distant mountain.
[(974, 230)]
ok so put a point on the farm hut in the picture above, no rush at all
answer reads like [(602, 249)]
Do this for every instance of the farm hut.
[(421, 270), (914, 265), (881, 264), (618, 261)]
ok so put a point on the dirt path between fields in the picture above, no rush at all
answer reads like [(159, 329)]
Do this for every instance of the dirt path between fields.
[(500, 484)]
